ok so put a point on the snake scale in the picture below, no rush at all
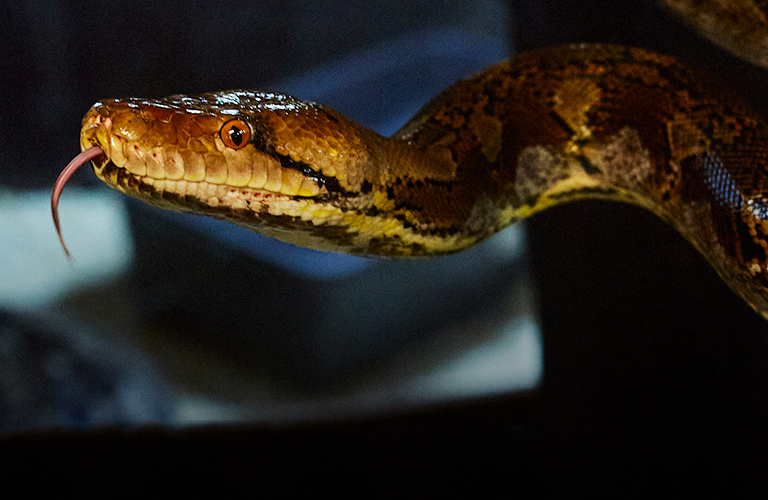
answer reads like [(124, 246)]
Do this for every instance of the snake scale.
[(544, 128)]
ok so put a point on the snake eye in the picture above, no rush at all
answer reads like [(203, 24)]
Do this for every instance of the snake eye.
[(235, 134)]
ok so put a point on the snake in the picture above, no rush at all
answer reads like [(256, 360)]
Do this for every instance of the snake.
[(546, 127)]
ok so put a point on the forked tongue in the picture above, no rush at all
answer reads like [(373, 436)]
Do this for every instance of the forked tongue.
[(64, 176)]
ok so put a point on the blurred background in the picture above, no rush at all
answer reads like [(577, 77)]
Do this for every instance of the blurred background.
[(590, 348)]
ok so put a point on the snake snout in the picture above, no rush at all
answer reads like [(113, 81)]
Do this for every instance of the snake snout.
[(104, 131)]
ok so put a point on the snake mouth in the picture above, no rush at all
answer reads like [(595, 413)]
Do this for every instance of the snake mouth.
[(237, 204), (189, 196)]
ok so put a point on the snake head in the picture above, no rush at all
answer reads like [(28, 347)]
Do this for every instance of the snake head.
[(288, 169), (216, 149), (282, 167)]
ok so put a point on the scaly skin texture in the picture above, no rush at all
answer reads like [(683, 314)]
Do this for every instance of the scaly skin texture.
[(740, 26), (547, 127)]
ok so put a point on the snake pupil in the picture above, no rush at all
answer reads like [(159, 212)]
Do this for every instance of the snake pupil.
[(236, 135)]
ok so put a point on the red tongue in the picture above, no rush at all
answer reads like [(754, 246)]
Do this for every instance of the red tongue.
[(64, 176)]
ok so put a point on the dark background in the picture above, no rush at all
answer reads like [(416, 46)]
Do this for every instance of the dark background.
[(656, 374)]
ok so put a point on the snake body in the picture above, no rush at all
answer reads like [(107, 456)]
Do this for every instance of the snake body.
[(544, 128)]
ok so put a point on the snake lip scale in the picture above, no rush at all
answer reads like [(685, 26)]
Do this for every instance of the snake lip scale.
[(544, 128)]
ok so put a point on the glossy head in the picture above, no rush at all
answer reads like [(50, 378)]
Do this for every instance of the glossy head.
[(283, 167)]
